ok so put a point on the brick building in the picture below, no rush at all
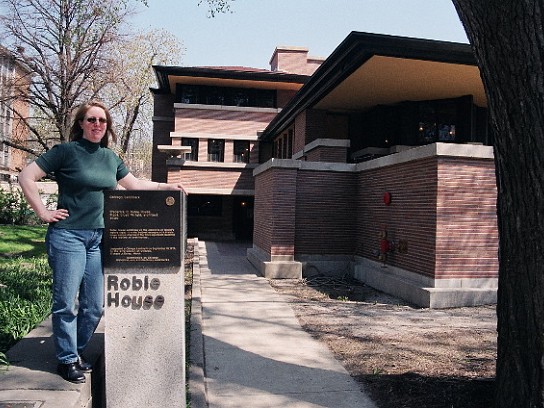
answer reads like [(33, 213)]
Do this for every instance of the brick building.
[(14, 80), (218, 113), (378, 165)]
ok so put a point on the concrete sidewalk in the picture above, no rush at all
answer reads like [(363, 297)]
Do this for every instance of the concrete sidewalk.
[(31, 380), (248, 348)]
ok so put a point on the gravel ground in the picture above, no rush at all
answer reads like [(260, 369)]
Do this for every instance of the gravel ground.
[(404, 356)]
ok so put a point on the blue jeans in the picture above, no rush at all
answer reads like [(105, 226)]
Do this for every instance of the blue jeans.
[(78, 301)]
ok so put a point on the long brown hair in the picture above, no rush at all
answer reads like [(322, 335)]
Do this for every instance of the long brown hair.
[(76, 132)]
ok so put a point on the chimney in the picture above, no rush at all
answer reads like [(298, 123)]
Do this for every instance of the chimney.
[(294, 60)]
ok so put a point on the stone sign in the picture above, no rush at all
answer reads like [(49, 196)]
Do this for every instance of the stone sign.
[(144, 343)]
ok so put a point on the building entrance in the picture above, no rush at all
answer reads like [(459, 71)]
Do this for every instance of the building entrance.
[(220, 218)]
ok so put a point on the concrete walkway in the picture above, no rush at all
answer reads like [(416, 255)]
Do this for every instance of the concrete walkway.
[(248, 348)]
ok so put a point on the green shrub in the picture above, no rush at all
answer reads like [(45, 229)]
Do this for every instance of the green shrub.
[(14, 209)]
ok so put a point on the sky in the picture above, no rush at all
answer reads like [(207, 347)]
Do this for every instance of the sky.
[(249, 34)]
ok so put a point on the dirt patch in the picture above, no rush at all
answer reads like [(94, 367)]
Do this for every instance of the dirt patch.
[(403, 356)]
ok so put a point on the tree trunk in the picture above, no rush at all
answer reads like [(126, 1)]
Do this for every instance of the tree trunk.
[(508, 40)]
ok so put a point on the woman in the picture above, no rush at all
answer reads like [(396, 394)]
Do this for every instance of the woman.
[(83, 169)]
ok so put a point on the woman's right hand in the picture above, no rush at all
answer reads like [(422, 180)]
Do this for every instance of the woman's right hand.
[(54, 215)]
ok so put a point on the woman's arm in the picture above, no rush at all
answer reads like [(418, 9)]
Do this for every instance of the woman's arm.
[(27, 180), (130, 182)]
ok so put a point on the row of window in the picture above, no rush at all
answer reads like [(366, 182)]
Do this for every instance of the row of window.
[(213, 95), (409, 123), (416, 123), (216, 150)]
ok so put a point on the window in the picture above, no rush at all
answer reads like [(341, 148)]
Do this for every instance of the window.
[(237, 97), (414, 123), (227, 96), (241, 151), (283, 146), (278, 147), (4, 155), (188, 94), (213, 96), (437, 121), (216, 150), (290, 144), (186, 141)]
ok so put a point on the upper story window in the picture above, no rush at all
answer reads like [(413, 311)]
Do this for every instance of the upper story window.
[(414, 123), (214, 95), (193, 142), (283, 146), (216, 150), (241, 151)]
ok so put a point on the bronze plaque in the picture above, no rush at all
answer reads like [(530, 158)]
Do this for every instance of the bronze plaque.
[(143, 228)]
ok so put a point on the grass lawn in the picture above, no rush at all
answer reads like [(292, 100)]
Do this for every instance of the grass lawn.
[(22, 240)]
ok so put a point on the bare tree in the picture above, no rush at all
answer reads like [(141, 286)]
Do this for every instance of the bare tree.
[(129, 94), (64, 44), (70, 48), (508, 41)]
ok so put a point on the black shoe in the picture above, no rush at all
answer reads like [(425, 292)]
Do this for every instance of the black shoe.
[(71, 372), (83, 366)]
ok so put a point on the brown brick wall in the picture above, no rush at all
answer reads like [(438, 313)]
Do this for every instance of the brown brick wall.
[(253, 152), (229, 151), (221, 122), (263, 227), (18, 81), (283, 97), (316, 125), (313, 124), (325, 212), (198, 177), (174, 175), (275, 195), (203, 150), (410, 217), (443, 208), (328, 154), (299, 140), (20, 135), (294, 61), (467, 235)]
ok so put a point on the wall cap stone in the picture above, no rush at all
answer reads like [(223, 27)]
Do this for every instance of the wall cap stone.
[(439, 149), (197, 106)]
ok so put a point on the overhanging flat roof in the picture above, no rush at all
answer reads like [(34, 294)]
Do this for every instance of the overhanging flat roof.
[(367, 70), (169, 76)]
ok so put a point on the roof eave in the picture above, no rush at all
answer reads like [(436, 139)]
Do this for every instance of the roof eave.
[(354, 51), (164, 72)]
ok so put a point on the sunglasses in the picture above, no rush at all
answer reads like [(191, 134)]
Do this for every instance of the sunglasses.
[(93, 120)]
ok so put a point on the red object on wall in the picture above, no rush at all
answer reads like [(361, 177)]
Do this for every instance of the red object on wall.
[(387, 198), (384, 246)]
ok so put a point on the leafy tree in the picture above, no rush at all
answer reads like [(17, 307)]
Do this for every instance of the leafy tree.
[(508, 41)]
